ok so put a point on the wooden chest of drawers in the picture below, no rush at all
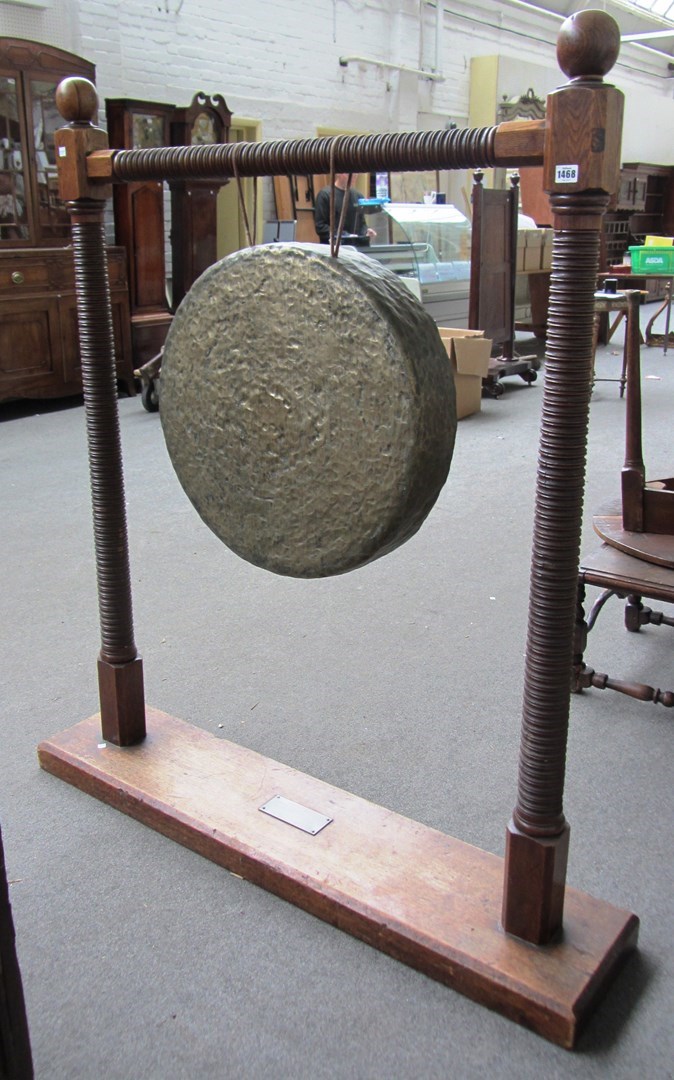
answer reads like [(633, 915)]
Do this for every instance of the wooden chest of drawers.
[(39, 346)]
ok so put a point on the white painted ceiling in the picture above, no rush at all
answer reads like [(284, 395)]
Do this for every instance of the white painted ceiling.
[(654, 18)]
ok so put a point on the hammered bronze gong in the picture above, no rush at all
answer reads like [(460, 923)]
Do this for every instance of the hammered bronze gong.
[(308, 407)]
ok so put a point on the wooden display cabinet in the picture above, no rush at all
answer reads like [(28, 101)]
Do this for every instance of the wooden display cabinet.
[(139, 222), (39, 349), (644, 205), (205, 121)]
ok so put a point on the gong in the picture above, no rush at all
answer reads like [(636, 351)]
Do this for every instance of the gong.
[(308, 407)]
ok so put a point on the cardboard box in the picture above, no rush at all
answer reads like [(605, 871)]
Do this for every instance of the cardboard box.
[(546, 253), (468, 352), (533, 251), (532, 258)]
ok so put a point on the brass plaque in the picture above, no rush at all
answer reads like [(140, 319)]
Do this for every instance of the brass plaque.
[(292, 813)]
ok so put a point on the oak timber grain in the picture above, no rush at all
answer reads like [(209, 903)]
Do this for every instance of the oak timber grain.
[(416, 894), (519, 143), (99, 164)]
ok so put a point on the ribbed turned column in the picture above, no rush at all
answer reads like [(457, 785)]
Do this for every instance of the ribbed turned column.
[(557, 523), (581, 167), (103, 436), (120, 672)]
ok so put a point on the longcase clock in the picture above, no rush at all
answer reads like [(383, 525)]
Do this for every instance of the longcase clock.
[(205, 121), (139, 222)]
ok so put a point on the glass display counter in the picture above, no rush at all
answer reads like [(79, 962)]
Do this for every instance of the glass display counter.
[(428, 246)]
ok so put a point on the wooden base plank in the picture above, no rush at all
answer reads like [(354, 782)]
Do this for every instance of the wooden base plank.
[(411, 891)]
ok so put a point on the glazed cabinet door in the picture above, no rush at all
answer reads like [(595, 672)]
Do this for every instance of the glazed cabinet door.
[(14, 178), (52, 222), (31, 213)]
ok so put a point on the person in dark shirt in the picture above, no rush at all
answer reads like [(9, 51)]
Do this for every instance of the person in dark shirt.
[(354, 221)]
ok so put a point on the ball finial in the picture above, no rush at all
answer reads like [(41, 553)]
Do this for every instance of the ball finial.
[(77, 100), (588, 44)]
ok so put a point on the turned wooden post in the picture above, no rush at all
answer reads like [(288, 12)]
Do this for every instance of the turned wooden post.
[(509, 345), (120, 669), (581, 165), (633, 476), (476, 201)]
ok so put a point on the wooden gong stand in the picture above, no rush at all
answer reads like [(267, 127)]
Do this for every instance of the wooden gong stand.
[(505, 932)]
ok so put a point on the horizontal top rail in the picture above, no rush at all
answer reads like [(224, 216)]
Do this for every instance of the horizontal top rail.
[(510, 144)]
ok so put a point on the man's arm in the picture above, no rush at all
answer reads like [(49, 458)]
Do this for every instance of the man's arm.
[(361, 226)]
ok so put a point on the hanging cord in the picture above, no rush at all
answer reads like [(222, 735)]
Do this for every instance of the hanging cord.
[(242, 202), (335, 241)]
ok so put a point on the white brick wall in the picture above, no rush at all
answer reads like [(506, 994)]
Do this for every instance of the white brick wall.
[(279, 63)]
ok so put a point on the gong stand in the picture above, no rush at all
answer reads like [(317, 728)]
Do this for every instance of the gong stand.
[(506, 932)]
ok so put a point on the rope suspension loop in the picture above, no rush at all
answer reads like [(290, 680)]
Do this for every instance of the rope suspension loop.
[(335, 240), (242, 202)]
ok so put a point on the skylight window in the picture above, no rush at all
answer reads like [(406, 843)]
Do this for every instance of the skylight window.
[(662, 8)]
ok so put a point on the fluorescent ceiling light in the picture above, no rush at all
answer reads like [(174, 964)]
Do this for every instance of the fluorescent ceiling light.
[(648, 36)]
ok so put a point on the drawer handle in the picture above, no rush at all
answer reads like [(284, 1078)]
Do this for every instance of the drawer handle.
[(17, 277)]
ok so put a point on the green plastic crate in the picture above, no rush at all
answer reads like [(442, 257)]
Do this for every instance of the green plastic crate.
[(652, 260)]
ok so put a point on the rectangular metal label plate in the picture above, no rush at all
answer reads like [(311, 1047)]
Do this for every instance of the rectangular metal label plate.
[(566, 174), (301, 817)]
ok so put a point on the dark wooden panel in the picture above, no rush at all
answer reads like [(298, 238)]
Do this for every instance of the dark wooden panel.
[(30, 347), (496, 268), (147, 212), (492, 264), (139, 222), (193, 234)]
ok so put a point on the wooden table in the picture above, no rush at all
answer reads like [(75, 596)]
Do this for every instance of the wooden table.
[(630, 579), (653, 287)]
